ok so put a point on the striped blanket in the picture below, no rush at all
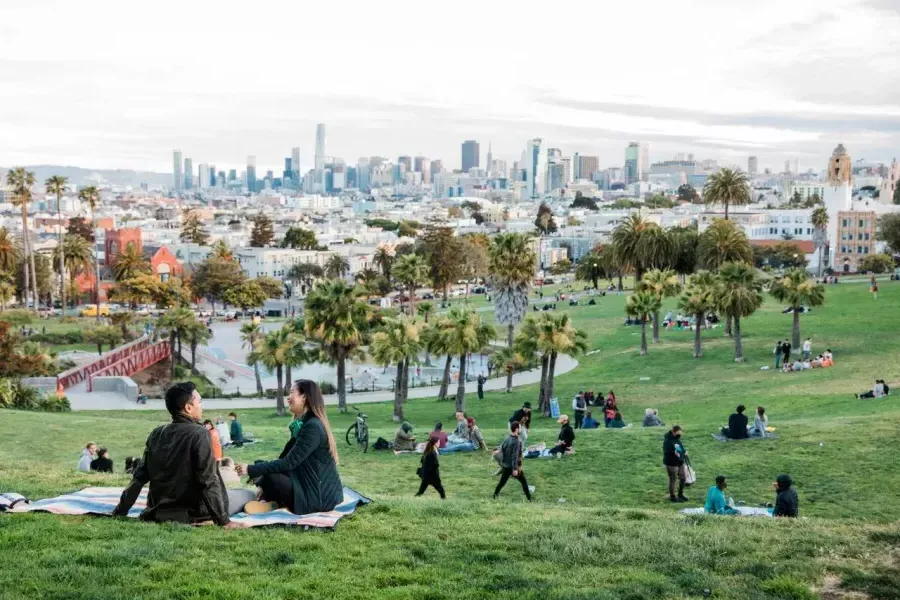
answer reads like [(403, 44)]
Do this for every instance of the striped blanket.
[(102, 501)]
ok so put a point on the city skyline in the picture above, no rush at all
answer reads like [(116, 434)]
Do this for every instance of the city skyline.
[(786, 85)]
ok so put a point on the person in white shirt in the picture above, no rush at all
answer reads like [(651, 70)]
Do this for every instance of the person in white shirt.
[(807, 349), (87, 455), (224, 431)]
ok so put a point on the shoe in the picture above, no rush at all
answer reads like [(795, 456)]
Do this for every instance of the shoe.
[(673, 499), (258, 507), (683, 498)]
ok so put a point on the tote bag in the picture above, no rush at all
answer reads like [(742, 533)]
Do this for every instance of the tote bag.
[(690, 478)]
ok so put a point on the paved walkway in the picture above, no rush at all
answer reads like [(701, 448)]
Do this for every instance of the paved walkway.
[(112, 401)]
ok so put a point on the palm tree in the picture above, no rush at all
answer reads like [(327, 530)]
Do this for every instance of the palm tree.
[(723, 242), (336, 318), (298, 355), (7, 290), (9, 252), (664, 284), (820, 222), (596, 265), (641, 245), (530, 343), (465, 333), (250, 333), (425, 310), (512, 265), (435, 342), (75, 253), (411, 270), (123, 320), (21, 181), (56, 185), (176, 322), (507, 360), (91, 196), (698, 299), (642, 304), (196, 333), (272, 350), (728, 187), (739, 295), (384, 258), (337, 266), (561, 337), (397, 344), (797, 290), (129, 263)]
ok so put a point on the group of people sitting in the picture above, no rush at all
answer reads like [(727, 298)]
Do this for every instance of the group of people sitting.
[(584, 418), (466, 437), (881, 389), (94, 459), (786, 502), (738, 428), (682, 322)]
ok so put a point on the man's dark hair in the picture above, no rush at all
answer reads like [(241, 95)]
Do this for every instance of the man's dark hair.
[(207, 422), (676, 428), (720, 479), (438, 426), (231, 414), (102, 452), (178, 396), (514, 427), (741, 408)]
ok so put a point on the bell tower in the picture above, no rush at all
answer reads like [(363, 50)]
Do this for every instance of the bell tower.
[(838, 194)]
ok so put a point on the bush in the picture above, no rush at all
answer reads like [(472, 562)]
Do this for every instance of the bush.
[(17, 316), (877, 263), (27, 398), (69, 337), (54, 404), (327, 387)]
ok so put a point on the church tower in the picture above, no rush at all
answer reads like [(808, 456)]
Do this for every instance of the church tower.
[(838, 194)]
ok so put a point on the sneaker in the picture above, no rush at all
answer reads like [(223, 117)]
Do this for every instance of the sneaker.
[(257, 507), (683, 498), (673, 499)]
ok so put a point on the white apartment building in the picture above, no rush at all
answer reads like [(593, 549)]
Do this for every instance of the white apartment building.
[(806, 189), (766, 224), (276, 262)]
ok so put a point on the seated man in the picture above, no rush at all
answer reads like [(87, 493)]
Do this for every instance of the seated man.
[(786, 501), (589, 421), (403, 439), (439, 434), (876, 392), (566, 437), (715, 499), (737, 425), (178, 462), (651, 418), (461, 433)]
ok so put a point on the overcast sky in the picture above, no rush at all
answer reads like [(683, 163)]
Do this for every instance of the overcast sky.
[(113, 84)]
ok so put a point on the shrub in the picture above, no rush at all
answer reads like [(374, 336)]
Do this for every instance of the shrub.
[(54, 404), (27, 398), (7, 393), (69, 337), (17, 316), (327, 387)]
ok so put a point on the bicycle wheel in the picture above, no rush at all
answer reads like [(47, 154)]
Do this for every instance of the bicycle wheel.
[(364, 440), (352, 429)]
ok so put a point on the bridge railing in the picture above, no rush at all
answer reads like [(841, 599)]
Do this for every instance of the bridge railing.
[(81, 373), (133, 363)]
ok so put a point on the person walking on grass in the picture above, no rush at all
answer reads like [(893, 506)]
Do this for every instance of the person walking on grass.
[(673, 459), (807, 349), (481, 380), (874, 289), (511, 461), (429, 469)]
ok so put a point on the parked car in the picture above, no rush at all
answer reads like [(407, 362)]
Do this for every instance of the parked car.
[(428, 296), (90, 310), (479, 289)]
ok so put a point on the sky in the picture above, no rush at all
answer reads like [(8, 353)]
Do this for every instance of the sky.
[(112, 84)]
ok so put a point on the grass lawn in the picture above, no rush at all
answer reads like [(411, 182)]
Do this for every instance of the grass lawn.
[(601, 526)]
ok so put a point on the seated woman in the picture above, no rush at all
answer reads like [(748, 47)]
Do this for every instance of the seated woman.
[(617, 421), (760, 423), (651, 418), (589, 421), (403, 439), (304, 479), (816, 363), (876, 392)]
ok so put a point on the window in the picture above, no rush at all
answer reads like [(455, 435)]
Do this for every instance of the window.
[(866, 237), (844, 223), (808, 231), (798, 219), (844, 249), (785, 219), (862, 223), (866, 250), (844, 236), (859, 250)]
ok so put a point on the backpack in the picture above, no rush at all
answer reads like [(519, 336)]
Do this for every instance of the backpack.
[(382, 444)]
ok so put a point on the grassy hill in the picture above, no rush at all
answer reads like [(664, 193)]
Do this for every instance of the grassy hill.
[(601, 526)]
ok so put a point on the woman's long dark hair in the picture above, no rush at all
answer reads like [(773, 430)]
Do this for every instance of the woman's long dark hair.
[(429, 446), (315, 404)]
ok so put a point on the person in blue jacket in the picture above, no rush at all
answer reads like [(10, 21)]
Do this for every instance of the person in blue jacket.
[(715, 499)]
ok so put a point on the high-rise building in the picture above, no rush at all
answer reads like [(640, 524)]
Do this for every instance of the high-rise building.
[(422, 165), (471, 151), (535, 159), (295, 164), (566, 162), (177, 173), (220, 180), (363, 173), (490, 160), (188, 174), (555, 175), (203, 176), (437, 167), (232, 174), (637, 162), (584, 167), (406, 161), (251, 173), (752, 165), (787, 167), (319, 184)]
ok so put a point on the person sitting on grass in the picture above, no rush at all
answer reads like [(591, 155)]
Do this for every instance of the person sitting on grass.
[(429, 469), (87, 456), (178, 463), (737, 425), (476, 438), (237, 431), (589, 421), (566, 437), (617, 422), (760, 423), (102, 464), (609, 409), (829, 358), (404, 439), (715, 499), (651, 418), (816, 363), (214, 439), (439, 434), (304, 479), (224, 432), (461, 433), (786, 502), (875, 392)]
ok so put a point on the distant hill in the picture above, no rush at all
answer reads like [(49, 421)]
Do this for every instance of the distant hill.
[(114, 177)]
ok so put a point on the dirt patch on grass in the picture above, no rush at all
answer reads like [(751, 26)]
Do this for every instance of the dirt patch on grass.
[(832, 590)]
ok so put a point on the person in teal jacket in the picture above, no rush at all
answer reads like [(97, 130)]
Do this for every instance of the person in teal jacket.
[(715, 499), (237, 431)]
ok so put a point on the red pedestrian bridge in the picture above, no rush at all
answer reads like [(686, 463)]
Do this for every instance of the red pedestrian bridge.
[(123, 361)]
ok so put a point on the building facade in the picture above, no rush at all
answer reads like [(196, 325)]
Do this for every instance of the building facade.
[(178, 173), (471, 151), (856, 233)]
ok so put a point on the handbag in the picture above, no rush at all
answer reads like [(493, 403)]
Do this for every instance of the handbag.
[(419, 472), (690, 478)]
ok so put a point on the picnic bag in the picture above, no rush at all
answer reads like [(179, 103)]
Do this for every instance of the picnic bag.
[(690, 478)]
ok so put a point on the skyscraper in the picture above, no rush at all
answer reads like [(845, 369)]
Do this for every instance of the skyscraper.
[(422, 165), (787, 167), (471, 151), (535, 168), (637, 162), (752, 165), (177, 173), (407, 161), (363, 173), (319, 184), (295, 164), (584, 167), (212, 175), (188, 174), (490, 159), (203, 176), (251, 173), (232, 174), (437, 167)]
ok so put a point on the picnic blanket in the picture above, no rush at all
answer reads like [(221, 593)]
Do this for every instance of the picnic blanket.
[(102, 501), (743, 511), (721, 438), (545, 453)]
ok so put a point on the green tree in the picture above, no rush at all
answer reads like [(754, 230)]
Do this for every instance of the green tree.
[(337, 266), (896, 197), (877, 263), (642, 304), (723, 242), (90, 195), (820, 222), (78, 226), (411, 271), (7, 290), (272, 350), (398, 343), (384, 259), (698, 299), (561, 267), (20, 182), (435, 342), (641, 245), (426, 310), (130, 263), (300, 239), (665, 285), (298, 356), (595, 266), (250, 333), (888, 231), (582, 201), (246, 295), (686, 240), (306, 274), (195, 334), (544, 221), (215, 276), (221, 250), (262, 234), (560, 337), (75, 253), (687, 193), (55, 185), (465, 334), (739, 295), (271, 287), (103, 335), (512, 266), (474, 258), (192, 229), (176, 322), (442, 250), (727, 187), (10, 253), (336, 319), (122, 320), (658, 201), (507, 361), (797, 290)]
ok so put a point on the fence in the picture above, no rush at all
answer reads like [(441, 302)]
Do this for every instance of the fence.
[(81, 373), (134, 362)]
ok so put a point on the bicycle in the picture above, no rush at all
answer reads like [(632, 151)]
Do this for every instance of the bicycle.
[(360, 431)]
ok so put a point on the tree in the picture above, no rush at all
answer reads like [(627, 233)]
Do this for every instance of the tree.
[(727, 187), (20, 182), (658, 201), (192, 229), (512, 266), (560, 337), (7, 290), (796, 199), (877, 263), (665, 285), (337, 266), (411, 271), (813, 201), (797, 290), (336, 319), (888, 230), (641, 245), (397, 343), (75, 253), (384, 258), (130, 263), (123, 319), (641, 304), (214, 276), (582, 201), (544, 221), (435, 342), (272, 351), (722, 242), (56, 186), (685, 240), (10, 253), (221, 250), (250, 333), (246, 295), (561, 267), (465, 334), (820, 222), (91, 196), (176, 322), (271, 287), (19, 364), (78, 226), (595, 266), (103, 335), (306, 273), (296, 330), (739, 295), (300, 239), (426, 310), (196, 333), (262, 234), (43, 269), (698, 299), (687, 193), (442, 249), (896, 197), (506, 360)]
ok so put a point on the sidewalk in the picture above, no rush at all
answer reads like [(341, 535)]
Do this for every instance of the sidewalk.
[(112, 401)]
